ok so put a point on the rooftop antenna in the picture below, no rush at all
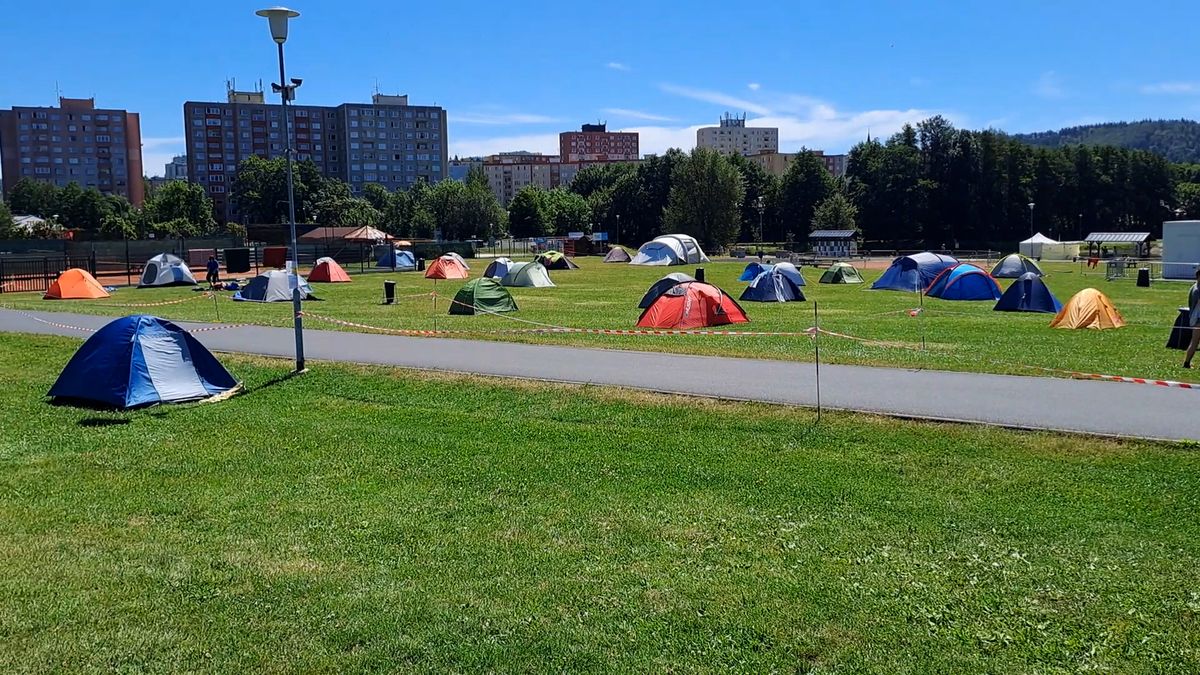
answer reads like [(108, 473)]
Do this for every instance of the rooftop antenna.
[(57, 92)]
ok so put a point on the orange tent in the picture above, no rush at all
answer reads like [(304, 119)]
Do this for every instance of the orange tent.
[(75, 284), (692, 304), (328, 271), (1088, 308), (447, 267)]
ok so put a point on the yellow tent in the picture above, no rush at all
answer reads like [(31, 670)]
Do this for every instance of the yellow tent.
[(1088, 308)]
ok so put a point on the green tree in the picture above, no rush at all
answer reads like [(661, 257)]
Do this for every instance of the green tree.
[(33, 198), (1187, 195), (568, 212), (529, 213), (260, 189), (759, 203), (460, 212), (8, 229), (705, 199), (835, 213), (805, 184), (477, 178), (180, 208), (346, 212), (118, 226), (378, 196)]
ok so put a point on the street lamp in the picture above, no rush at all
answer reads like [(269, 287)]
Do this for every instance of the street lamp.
[(760, 204), (1031, 219), (278, 18)]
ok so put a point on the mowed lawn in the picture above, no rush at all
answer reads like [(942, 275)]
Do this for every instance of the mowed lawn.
[(957, 335), (357, 519)]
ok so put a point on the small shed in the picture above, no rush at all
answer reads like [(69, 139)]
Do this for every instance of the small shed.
[(834, 243), (1097, 241), (1180, 249)]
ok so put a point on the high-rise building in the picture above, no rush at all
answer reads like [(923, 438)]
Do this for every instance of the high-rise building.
[(176, 169), (507, 173), (387, 141), (76, 142), (459, 168), (594, 143), (777, 163), (734, 137)]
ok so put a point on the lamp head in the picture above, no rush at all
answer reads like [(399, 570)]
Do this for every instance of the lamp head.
[(278, 18)]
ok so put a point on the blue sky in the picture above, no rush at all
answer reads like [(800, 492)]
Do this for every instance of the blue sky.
[(512, 75)]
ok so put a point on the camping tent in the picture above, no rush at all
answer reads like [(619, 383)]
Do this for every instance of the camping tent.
[(913, 272), (165, 269), (482, 296), (964, 282), (447, 267), (670, 249), (692, 304), (498, 268), (773, 285), (790, 271), (273, 286), (754, 269), (141, 360), (328, 271), (75, 284), (1032, 246), (531, 274), (1028, 294), (553, 260), (617, 254), (662, 286), (393, 258), (841, 273), (1015, 265), (1088, 308), (459, 258)]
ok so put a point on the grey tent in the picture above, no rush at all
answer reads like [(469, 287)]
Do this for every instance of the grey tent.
[(165, 269), (617, 255), (527, 274), (498, 268), (662, 286), (273, 286), (1014, 265)]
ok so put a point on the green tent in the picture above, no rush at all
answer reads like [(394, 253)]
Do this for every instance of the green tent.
[(482, 296), (841, 273), (553, 260)]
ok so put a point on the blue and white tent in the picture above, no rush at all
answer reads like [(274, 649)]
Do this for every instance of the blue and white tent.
[(754, 269), (394, 258), (142, 360), (773, 286), (165, 269), (273, 286), (1028, 294), (914, 272)]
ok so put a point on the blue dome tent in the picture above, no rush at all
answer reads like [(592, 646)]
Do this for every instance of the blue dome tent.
[(142, 360), (773, 286), (394, 258), (964, 282), (785, 268), (914, 272), (273, 286), (754, 269), (1028, 294)]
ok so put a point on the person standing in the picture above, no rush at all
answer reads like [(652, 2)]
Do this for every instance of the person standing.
[(214, 271), (1193, 321)]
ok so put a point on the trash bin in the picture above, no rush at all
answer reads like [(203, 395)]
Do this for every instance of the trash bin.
[(699, 274), (1181, 332), (237, 260), (420, 264), (1143, 277), (389, 292)]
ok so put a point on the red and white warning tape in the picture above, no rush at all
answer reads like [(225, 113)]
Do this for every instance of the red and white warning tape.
[(154, 304)]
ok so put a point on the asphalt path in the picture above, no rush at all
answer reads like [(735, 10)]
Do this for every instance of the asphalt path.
[(1106, 408)]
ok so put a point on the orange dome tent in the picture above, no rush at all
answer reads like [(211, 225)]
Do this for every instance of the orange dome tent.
[(692, 304), (1088, 308), (328, 271), (447, 267), (75, 284)]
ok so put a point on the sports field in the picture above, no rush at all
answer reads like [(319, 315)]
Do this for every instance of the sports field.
[(363, 519), (879, 326)]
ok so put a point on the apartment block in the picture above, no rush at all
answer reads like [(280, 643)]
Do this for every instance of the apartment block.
[(594, 143), (777, 163), (74, 142), (507, 173), (176, 169), (387, 141), (734, 137)]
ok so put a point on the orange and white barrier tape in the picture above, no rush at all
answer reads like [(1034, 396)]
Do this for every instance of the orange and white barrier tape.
[(154, 304)]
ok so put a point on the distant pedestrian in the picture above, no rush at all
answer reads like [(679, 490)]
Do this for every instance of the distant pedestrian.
[(214, 271), (1193, 321)]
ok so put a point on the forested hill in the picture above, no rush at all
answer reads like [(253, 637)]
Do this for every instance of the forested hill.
[(1177, 140)]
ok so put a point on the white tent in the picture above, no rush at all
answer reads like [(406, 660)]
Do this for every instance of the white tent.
[(1032, 247), (527, 274), (165, 269), (498, 268), (670, 249)]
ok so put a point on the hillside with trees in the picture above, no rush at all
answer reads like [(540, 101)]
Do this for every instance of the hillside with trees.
[(1176, 140)]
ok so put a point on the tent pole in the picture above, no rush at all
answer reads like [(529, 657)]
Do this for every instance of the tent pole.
[(817, 357), (922, 313)]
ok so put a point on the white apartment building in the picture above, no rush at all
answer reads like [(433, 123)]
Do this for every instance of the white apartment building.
[(734, 137), (508, 173), (176, 169)]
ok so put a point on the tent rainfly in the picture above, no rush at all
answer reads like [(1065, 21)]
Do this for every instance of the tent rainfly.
[(328, 271), (773, 285), (531, 274), (447, 267), (617, 254), (1088, 308), (482, 296), (554, 260), (841, 273), (1028, 294), (662, 286), (75, 284), (964, 282), (389, 257), (692, 304), (914, 272), (670, 249), (273, 286), (1015, 265), (165, 269), (498, 268)]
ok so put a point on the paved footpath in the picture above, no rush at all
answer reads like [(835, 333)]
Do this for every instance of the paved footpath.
[(1030, 402)]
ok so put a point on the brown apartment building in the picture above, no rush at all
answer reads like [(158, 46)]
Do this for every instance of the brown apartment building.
[(595, 143), (74, 142)]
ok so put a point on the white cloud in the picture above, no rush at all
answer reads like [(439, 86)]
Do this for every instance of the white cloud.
[(754, 86), (157, 152), (499, 118), (1171, 88), (1049, 85), (716, 97), (637, 115), (615, 65), (479, 147)]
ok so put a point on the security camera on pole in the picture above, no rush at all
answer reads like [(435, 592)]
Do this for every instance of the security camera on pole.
[(278, 18)]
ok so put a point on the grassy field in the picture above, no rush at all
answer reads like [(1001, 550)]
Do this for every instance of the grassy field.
[(366, 519), (958, 335)]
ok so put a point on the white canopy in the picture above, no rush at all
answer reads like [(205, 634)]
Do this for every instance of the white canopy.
[(1039, 238)]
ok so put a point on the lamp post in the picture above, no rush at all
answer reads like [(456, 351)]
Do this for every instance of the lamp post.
[(1031, 219), (760, 205), (278, 18)]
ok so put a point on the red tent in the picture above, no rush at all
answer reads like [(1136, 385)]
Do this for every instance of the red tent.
[(692, 304), (328, 271), (447, 267)]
